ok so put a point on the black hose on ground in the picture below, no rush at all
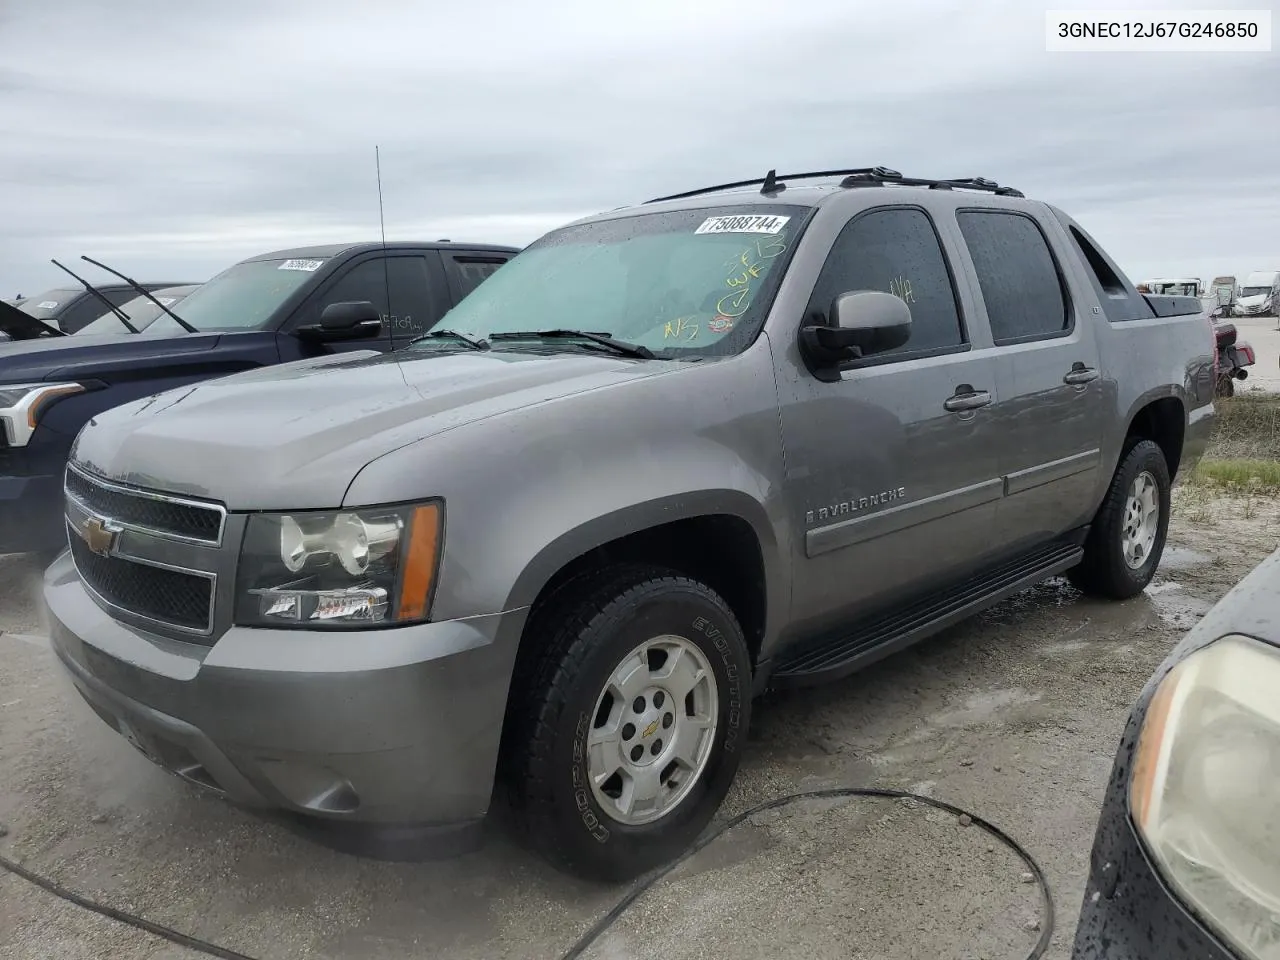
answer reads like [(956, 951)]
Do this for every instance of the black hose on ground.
[(640, 889)]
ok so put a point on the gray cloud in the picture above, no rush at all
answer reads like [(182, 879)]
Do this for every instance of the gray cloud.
[(179, 138)]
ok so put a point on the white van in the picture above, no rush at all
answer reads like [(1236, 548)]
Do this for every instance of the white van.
[(1259, 295)]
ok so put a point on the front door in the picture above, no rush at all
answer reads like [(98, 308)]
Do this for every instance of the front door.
[(892, 471), (1051, 412)]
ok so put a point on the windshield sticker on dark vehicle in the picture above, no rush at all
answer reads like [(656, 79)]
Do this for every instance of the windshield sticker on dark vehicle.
[(308, 265), (757, 223)]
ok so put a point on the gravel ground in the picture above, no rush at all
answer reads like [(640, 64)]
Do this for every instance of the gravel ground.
[(1014, 715)]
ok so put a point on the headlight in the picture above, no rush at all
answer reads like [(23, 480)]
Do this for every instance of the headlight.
[(21, 404), (1205, 788), (363, 567)]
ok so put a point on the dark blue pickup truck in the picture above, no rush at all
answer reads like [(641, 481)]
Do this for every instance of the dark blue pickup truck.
[(270, 309)]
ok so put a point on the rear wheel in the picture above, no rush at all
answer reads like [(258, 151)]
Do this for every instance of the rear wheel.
[(1128, 534), (630, 726)]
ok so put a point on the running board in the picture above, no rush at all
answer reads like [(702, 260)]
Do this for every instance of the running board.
[(880, 635)]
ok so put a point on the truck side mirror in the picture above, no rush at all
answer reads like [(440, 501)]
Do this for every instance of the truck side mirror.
[(861, 323), (351, 320)]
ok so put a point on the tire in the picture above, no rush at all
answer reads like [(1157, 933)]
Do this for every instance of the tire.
[(1226, 387), (570, 694), (1105, 570)]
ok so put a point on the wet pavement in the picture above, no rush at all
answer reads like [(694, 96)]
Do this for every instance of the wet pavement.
[(1014, 715)]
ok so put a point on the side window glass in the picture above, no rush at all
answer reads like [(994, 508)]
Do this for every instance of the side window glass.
[(1017, 274), (415, 306), (364, 281), (471, 271), (896, 251)]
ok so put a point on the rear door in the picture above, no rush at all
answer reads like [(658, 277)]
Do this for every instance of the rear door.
[(1050, 413), (892, 470)]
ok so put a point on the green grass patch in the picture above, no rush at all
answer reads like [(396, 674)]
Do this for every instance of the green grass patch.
[(1251, 475)]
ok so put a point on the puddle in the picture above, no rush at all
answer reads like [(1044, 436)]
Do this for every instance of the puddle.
[(1182, 558), (981, 707), (1175, 607)]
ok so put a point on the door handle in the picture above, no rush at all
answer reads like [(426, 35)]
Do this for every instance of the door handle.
[(1079, 375), (969, 399)]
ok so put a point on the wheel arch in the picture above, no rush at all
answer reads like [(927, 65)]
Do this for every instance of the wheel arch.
[(722, 538), (1161, 417)]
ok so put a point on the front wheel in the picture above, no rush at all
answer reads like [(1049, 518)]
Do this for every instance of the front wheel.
[(631, 726), (1128, 534)]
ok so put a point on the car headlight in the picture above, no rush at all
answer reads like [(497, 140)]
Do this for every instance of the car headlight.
[(1204, 788), (369, 566), (22, 403)]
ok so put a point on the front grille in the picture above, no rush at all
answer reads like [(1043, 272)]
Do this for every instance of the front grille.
[(167, 515), (166, 596)]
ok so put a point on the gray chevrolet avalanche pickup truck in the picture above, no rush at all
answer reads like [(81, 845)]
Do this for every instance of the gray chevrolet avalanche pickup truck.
[(764, 433)]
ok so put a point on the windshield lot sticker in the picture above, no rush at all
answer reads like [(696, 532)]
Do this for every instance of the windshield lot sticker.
[(720, 324), (759, 223), (309, 266), (46, 304)]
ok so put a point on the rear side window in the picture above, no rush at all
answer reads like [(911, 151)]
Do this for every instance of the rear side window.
[(469, 271), (1017, 275), (897, 251)]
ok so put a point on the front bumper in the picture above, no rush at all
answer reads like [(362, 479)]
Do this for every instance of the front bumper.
[(388, 727)]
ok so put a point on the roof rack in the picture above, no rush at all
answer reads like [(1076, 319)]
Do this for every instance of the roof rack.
[(772, 183)]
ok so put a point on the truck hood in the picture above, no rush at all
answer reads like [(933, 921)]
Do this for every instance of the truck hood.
[(22, 326), (59, 358), (1254, 301), (294, 436)]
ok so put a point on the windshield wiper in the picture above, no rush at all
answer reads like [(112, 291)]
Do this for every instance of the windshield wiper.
[(146, 293), (477, 343), (120, 314), (604, 339)]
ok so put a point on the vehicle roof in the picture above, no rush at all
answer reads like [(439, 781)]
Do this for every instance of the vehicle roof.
[(815, 190), (328, 250)]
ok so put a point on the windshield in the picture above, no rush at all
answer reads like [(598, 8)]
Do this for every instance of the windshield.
[(1254, 291), (684, 283), (47, 305), (140, 311), (243, 297)]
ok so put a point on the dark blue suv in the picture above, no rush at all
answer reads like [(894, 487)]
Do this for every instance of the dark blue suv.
[(269, 309)]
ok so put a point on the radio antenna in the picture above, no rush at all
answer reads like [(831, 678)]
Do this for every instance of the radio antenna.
[(382, 224)]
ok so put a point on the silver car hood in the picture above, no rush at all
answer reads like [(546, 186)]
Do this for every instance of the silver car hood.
[(294, 436)]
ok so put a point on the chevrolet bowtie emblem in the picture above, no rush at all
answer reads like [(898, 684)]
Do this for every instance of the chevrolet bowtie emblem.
[(99, 535)]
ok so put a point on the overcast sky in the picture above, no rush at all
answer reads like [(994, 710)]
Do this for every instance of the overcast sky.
[(172, 139)]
